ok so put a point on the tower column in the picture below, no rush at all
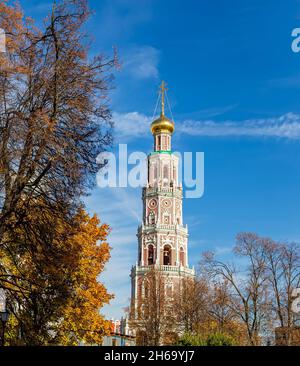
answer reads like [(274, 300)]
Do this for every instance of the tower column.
[(162, 200)]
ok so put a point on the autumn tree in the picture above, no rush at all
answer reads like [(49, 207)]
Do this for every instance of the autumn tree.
[(81, 319), (248, 291), (204, 311), (54, 116), (54, 121), (283, 275), (259, 293), (192, 305), (55, 297)]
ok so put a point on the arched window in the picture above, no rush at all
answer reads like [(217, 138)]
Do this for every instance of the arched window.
[(163, 144), (167, 255), (150, 254), (154, 172), (166, 173), (151, 218), (159, 142), (181, 257)]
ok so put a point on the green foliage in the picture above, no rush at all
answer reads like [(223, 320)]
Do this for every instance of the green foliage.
[(189, 339), (220, 339), (214, 339)]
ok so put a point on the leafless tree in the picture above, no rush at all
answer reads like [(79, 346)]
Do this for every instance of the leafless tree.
[(261, 290), (248, 289), (220, 307), (283, 275), (192, 304)]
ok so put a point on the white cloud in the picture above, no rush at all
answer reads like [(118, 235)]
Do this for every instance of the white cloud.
[(285, 126), (210, 112), (141, 62), (133, 125)]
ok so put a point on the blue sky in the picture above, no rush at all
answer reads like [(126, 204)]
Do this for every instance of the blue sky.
[(234, 87)]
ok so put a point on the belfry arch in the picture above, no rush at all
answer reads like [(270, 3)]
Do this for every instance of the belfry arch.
[(167, 255), (151, 259)]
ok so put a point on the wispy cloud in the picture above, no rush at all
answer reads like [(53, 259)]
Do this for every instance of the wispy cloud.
[(141, 62), (210, 112), (285, 126), (133, 125)]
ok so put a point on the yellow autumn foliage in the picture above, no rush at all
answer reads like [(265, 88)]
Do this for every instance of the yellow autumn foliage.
[(53, 286)]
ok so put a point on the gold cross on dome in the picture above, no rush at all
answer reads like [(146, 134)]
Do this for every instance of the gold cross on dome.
[(163, 89)]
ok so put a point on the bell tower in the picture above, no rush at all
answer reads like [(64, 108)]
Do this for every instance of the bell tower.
[(162, 236)]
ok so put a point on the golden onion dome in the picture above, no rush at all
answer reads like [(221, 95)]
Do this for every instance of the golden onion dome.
[(162, 125)]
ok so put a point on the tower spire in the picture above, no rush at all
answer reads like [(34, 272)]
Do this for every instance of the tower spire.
[(163, 89), (162, 124)]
